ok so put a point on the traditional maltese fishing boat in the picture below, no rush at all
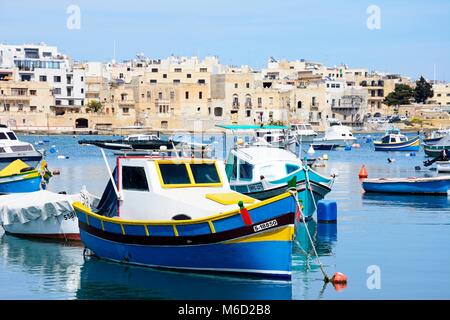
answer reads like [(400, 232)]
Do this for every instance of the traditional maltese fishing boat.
[(20, 177), (434, 185), (395, 141), (180, 213), (263, 172)]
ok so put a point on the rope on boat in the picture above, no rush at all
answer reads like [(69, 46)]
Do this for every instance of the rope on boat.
[(326, 278)]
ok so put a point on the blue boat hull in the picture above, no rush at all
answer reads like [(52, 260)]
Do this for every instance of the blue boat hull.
[(26, 185), (432, 187), (410, 145), (269, 257)]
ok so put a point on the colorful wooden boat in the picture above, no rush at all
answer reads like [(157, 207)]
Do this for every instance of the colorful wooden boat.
[(434, 136), (395, 141), (182, 214), (433, 185), (19, 177), (436, 149), (264, 172)]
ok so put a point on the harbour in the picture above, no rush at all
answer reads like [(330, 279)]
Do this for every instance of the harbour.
[(405, 236)]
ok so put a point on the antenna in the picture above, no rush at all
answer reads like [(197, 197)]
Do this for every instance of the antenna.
[(114, 51)]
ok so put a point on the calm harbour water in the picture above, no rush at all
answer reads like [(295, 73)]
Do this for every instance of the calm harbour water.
[(407, 237)]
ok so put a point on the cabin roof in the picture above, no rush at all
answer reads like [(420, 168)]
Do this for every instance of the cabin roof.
[(256, 155)]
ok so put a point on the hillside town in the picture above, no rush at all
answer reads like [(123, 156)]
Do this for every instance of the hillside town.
[(44, 90)]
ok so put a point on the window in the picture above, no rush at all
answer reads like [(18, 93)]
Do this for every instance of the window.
[(82, 79), (57, 91), (154, 69), (56, 79), (43, 78), (235, 85), (58, 102), (176, 81), (188, 75), (33, 108), (149, 94), (247, 85), (153, 81), (20, 107), (11, 136), (120, 75), (126, 110), (439, 94), (164, 75), (201, 81), (186, 95), (82, 90), (3, 136), (172, 95), (134, 178), (248, 113), (174, 173), (245, 170), (205, 173), (203, 69), (291, 168), (160, 95), (200, 95), (218, 111), (177, 70)]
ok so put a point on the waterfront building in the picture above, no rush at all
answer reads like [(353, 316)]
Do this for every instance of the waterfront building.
[(441, 94)]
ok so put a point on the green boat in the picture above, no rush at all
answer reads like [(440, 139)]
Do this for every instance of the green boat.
[(435, 150)]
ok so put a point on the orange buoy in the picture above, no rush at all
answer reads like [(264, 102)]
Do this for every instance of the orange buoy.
[(339, 281), (363, 172)]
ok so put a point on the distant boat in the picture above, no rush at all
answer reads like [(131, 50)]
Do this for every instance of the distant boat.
[(324, 146), (434, 185), (303, 131), (132, 142), (435, 136), (395, 141), (335, 134), (11, 149), (436, 149), (19, 177)]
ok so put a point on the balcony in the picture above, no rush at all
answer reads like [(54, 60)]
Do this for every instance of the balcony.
[(248, 105), (126, 103), (235, 105)]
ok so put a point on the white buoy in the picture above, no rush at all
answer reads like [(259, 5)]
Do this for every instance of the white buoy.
[(311, 150), (325, 156)]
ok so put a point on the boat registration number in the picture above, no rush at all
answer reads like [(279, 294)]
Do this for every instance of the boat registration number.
[(265, 225), (255, 187)]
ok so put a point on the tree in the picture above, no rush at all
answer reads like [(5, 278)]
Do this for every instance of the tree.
[(402, 94), (95, 106), (423, 90)]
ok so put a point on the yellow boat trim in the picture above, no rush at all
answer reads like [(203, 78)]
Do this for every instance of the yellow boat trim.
[(80, 207), (175, 231), (211, 227), (123, 230), (87, 217), (281, 234), (103, 226), (229, 198), (14, 168), (146, 230), (187, 163)]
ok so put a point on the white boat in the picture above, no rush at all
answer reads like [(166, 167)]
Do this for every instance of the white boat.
[(443, 166), (274, 137), (42, 214), (336, 134), (12, 149), (303, 131)]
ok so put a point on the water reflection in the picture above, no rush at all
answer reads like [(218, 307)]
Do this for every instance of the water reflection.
[(108, 280), (324, 236), (55, 267), (424, 202)]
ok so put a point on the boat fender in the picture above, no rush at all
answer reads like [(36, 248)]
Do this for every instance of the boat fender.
[(244, 214), (181, 217), (339, 281)]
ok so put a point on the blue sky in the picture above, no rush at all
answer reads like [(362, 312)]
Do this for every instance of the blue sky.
[(414, 35)]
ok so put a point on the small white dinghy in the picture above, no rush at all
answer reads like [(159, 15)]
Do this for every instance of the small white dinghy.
[(443, 166), (42, 214)]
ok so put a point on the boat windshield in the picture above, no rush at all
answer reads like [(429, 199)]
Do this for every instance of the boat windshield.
[(11, 135), (174, 175), (3, 136)]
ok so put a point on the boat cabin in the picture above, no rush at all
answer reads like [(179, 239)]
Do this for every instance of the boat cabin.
[(6, 134), (142, 137), (168, 189), (255, 164), (394, 138)]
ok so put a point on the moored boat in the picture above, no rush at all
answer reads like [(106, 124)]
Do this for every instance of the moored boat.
[(436, 149), (195, 221), (434, 185), (336, 134), (20, 177), (11, 148), (42, 214), (434, 136), (395, 141), (443, 166), (263, 172)]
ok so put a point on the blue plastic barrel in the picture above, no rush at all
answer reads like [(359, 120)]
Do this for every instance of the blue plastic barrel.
[(326, 211)]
